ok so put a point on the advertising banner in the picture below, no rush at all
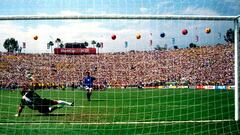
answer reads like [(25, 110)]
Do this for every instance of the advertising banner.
[(182, 87), (200, 87), (172, 87), (230, 87), (74, 51), (161, 87), (210, 87), (220, 87)]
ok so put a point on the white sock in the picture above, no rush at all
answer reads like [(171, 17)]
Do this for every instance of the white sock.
[(63, 102), (50, 109)]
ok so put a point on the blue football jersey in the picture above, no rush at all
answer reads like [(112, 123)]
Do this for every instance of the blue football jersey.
[(88, 81)]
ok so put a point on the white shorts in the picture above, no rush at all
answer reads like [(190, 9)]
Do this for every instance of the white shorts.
[(88, 89)]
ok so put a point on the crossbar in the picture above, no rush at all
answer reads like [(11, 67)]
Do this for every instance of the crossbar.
[(120, 17)]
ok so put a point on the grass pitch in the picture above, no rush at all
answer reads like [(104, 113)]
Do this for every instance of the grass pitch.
[(125, 111)]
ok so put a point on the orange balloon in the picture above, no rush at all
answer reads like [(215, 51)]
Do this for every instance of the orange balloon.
[(35, 37), (208, 30), (138, 36)]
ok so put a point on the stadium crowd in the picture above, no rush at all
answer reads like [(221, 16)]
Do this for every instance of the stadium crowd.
[(200, 65)]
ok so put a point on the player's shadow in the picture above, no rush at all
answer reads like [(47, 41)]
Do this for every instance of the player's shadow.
[(53, 114)]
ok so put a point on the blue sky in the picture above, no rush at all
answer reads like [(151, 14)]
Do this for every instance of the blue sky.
[(220, 7), (101, 30)]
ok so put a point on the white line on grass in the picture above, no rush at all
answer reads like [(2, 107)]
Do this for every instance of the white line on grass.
[(160, 105), (117, 123)]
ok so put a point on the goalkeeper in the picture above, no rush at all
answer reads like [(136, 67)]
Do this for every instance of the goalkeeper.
[(32, 100), (88, 84)]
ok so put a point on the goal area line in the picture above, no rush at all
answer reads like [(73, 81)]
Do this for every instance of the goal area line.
[(117, 123)]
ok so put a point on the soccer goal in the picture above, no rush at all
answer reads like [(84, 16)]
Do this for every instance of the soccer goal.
[(148, 72)]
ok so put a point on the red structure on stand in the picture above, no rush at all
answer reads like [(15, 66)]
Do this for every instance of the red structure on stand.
[(74, 51)]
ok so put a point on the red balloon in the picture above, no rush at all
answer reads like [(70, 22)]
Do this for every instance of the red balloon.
[(114, 37), (184, 31)]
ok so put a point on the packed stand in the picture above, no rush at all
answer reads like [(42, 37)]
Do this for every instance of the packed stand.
[(192, 66)]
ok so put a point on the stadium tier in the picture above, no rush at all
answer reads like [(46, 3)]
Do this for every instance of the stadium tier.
[(205, 65)]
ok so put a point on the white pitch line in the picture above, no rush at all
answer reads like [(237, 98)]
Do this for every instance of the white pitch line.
[(119, 123)]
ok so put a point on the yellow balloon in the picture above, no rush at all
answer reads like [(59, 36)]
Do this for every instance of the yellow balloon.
[(138, 36), (208, 30)]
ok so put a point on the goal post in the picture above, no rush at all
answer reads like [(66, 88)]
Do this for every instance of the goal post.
[(236, 56), (234, 19)]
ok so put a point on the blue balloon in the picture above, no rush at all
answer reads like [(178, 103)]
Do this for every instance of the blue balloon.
[(162, 35)]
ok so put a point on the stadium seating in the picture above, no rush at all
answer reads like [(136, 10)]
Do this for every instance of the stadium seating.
[(205, 65)]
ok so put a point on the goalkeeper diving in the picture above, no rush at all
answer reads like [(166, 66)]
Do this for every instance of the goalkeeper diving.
[(33, 101)]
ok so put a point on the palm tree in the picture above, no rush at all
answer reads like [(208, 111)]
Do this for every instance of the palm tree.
[(192, 45), (50, 44), (86, 44), (98, 45), (61, 45), (175, 47), (229, 36), (93, 42), (11, 45), (159, 48), (58, 41)]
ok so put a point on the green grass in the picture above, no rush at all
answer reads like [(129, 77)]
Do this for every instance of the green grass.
[(124, 105)]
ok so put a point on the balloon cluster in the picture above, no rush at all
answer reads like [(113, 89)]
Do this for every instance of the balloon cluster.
[(138, 36)]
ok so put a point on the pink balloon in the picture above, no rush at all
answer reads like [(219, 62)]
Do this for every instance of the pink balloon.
[(114, 37), (184, 31)]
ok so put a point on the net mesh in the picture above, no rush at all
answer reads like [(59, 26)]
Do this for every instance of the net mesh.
[(152, 76)]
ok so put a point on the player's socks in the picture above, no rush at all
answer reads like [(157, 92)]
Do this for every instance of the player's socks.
[(51, 109), (89, 96), (61, 102)]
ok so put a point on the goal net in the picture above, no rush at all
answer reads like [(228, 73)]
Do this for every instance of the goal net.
[(151, 74)]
